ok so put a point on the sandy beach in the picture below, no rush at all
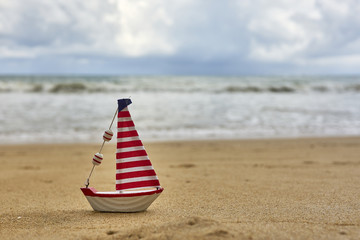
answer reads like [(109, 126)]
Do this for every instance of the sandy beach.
[(240, 189)]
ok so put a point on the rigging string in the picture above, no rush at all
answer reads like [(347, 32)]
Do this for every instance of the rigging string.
[(88, 179)]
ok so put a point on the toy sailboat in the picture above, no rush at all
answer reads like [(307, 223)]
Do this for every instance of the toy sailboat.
[(137, 184)]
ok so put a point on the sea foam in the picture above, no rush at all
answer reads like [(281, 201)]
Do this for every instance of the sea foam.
[(78, 109)]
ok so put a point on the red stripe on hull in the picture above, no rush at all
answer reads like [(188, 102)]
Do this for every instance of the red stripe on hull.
[(132, 133), (141, 163), (126, 124), (135, 174), (131, 154), (92, 192), (124, 114), (150, 183), (135, 143)]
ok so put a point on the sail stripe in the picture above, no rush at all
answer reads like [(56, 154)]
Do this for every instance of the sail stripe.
[(128, 139), (126, 124), (128, 144), (129, 149), (125, 129), (124, 119), (136, 174), (127, 134), (150, 183), (131, 154), (132, 159), (133, 164), (124, 113), (134, 169), (136, 179)]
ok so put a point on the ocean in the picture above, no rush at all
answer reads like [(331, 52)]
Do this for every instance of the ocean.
[(70, 109)]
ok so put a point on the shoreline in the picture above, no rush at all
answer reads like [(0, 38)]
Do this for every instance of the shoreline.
[(191, 140), (306, 188)]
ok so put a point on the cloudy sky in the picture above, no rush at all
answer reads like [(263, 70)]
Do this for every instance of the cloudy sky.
[(189, 37)]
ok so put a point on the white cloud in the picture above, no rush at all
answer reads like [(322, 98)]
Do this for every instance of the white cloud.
[(51, 27), (276, 36), (124, 27), (144, 28), (301, 33), (283, 32), (308, 33)]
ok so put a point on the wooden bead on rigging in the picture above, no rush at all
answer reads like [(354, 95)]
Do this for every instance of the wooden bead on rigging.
[(97, 159), (108, 135)]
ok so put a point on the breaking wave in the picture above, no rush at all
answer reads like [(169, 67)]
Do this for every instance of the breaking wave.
[(173, 108), (231, 85)]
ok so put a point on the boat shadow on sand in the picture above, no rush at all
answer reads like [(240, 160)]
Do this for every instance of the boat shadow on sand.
[(109, 223), (64, 217)]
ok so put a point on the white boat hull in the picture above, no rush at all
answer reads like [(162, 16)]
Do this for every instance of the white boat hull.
[(120, 202)]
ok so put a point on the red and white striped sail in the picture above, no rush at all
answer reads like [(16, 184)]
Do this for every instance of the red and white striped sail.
[(133, 166)]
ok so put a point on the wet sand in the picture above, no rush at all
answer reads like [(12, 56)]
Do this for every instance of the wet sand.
[(241, 189)]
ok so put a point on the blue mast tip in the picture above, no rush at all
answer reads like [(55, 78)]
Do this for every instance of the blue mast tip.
[(123, 103)]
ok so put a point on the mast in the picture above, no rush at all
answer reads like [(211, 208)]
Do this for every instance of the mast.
[(98, 157)]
